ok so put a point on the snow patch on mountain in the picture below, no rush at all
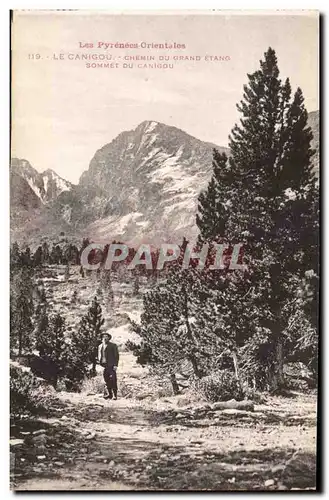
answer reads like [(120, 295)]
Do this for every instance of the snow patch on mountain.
[(117, 226), (45, 181), (178, 179), (123, 222), (53, 181), (150, 127), (35, 188)]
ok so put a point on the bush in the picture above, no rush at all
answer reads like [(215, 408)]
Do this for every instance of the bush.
[(42, 397), (27, 396), (21, 384), (220, 386)]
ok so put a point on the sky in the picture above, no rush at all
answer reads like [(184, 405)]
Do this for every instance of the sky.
[(62, 111)]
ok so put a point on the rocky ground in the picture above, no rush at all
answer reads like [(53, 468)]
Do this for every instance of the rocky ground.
[(88, 443)]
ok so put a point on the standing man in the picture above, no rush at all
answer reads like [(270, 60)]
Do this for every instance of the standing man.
[(108, 357)]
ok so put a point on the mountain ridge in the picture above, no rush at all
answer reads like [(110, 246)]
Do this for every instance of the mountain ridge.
[(47, 185), (142, 186)]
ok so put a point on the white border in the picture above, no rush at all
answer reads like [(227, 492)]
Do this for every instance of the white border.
[(118, 5)]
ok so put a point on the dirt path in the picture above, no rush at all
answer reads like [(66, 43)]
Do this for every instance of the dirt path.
[(89, 443)]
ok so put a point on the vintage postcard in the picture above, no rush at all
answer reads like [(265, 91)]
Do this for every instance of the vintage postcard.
[(164, 265)]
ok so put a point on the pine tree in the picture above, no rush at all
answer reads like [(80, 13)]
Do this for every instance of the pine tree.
[(59, 344), (41, 321), (15, 257), (21, 311), (38, 257), (45, 253), (86, 340), (71, 255), (270, 189), (67, 273), (26, 257), (106, 284), (136, 285), (52, 344), (158, 327), (180, 323), (214, 203), (56, 255), (75, 255), (85, 243), (41, 329)]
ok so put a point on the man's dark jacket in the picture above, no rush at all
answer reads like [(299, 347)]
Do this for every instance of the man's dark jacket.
[(111, 354)]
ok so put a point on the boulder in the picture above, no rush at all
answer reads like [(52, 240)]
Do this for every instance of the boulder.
[(233, 405)]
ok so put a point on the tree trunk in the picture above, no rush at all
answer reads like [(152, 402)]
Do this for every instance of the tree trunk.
[(236, 367), (196, 369), (278, 367), (93, 372), (54, 382), (279, 357), (276, 370), (20, 342), (174, 384)]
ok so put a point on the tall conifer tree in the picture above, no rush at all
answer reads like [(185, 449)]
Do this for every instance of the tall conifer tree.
[(270, 193)]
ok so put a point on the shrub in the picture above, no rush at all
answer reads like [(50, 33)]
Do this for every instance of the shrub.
[(220, 386), (27, 396), (21, 384), (74, 372), (42, 397)]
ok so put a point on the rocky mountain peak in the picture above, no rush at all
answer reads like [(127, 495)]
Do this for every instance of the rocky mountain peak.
[(145, 183), (47, 186)]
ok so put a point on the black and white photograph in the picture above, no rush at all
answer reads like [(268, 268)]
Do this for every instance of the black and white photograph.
[(164, 250)]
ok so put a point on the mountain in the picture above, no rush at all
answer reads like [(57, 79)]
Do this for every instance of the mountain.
[(31, 197), (141, 187), (144, 185), (24, 203), (46, 185)]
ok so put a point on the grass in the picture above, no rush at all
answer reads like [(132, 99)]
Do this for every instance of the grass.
[(94, 385)]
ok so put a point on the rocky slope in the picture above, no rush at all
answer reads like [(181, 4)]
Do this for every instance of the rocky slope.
[(31, 202)]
